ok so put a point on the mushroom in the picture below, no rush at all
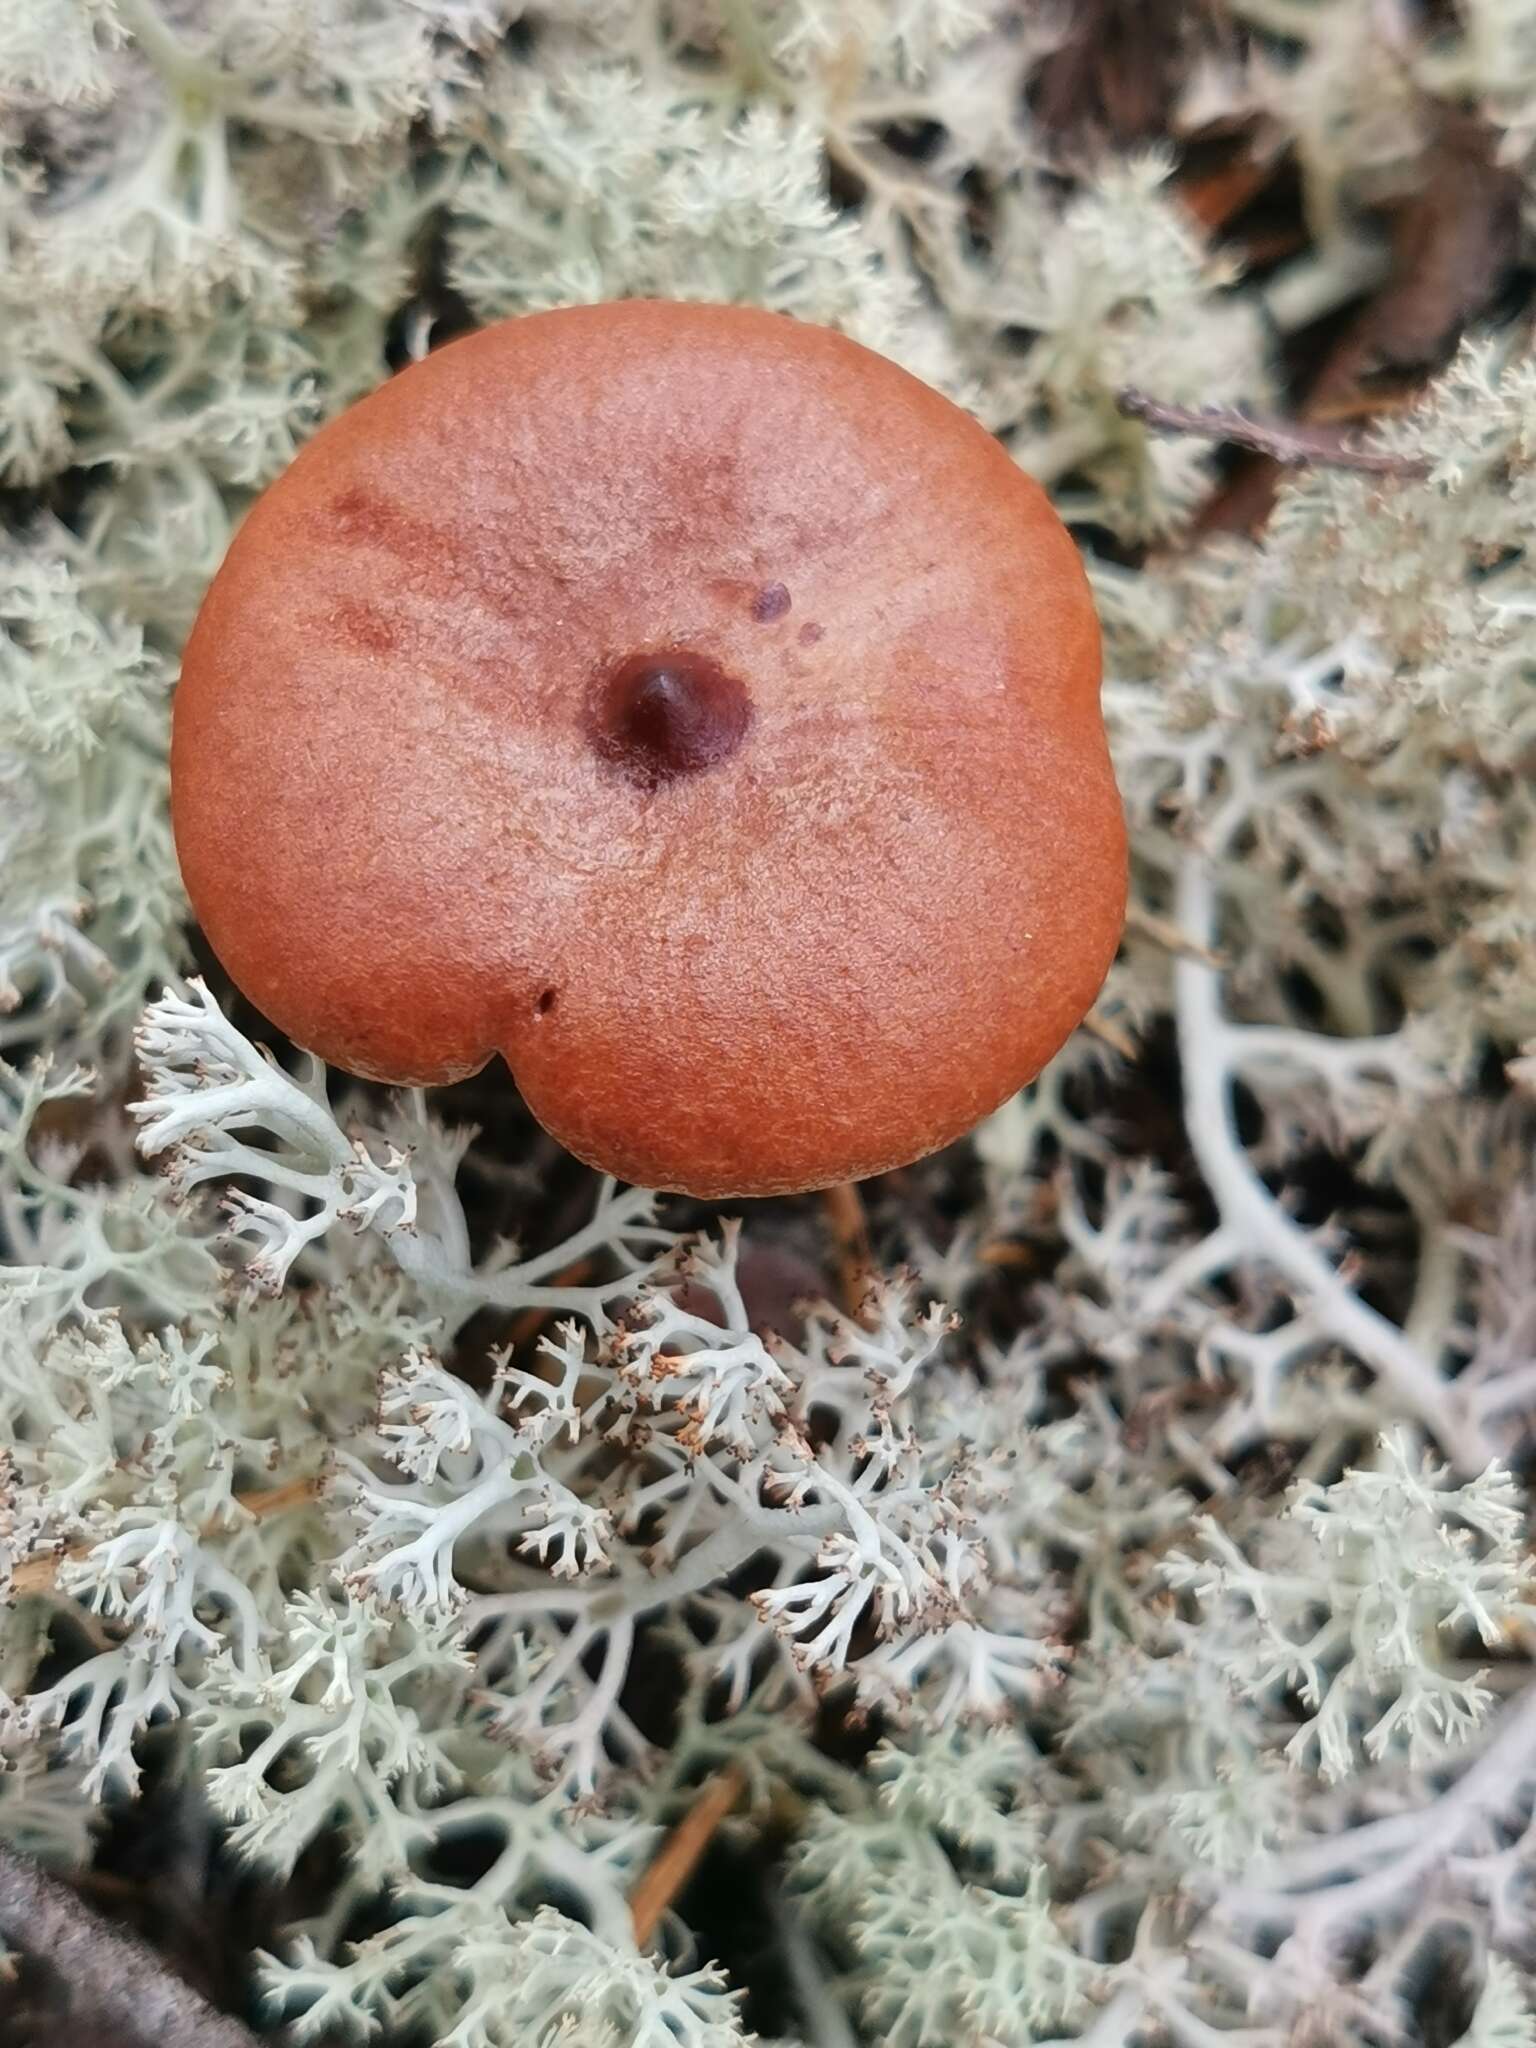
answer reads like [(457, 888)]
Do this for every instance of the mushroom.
[(684, 702)]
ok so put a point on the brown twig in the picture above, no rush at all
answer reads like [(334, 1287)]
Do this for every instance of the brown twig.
[(679, 1854), (1107, 1032), (1008, 1253), (1213, 199), (843, 1207), (38, 1574), (1163, 932), (1286, 442)]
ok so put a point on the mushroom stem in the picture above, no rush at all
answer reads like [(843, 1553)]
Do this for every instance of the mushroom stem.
[(843, 1207)]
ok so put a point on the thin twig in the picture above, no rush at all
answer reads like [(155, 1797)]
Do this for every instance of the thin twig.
[(1109, 1033), (679, 1854), (1163, 932), (39, 1574), (1214, 199), (1287, 442), (1007, 1252)]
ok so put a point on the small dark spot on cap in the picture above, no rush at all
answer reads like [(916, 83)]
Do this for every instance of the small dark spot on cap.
[(548, 997), (658, 716), (770, 603), (810, 633)]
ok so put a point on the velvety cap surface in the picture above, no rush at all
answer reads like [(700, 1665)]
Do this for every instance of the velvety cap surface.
[(684, 702)]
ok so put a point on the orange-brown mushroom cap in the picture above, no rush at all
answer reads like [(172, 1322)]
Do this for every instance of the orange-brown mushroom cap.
[(683, 701)]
